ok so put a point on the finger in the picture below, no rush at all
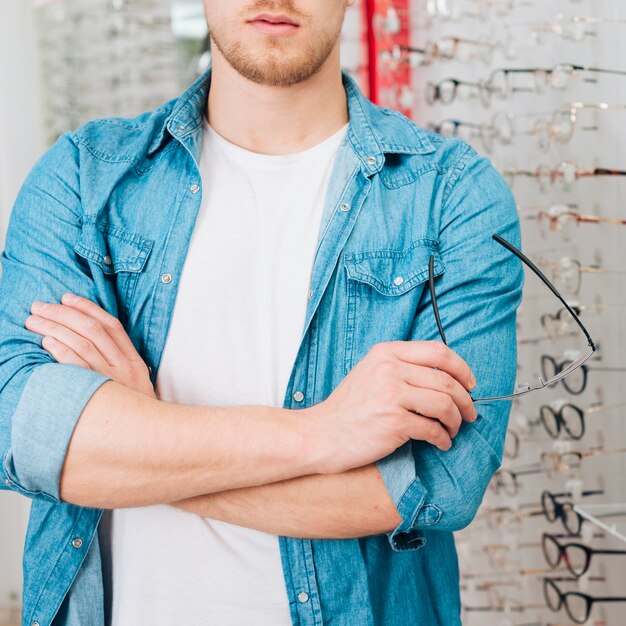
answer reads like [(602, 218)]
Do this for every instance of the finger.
[(84, 326), (426, 429), (432, 404), (438, 380), (62, 353), (111, 323), (434, 354), (77, 343)]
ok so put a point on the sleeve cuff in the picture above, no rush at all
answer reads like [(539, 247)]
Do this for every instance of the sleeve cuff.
[(51, 403), (408, 494)]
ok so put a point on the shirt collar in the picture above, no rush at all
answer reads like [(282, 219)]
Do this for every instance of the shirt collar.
[(372, 132)]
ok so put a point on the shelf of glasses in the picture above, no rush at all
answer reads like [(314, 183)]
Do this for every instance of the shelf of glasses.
[(611, 517)]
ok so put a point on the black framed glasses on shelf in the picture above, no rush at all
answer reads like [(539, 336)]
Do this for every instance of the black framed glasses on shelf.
[(576, 556), (551, 366), (554, 509), (577, 605), (450, 89), (564, 417), (522, 388)]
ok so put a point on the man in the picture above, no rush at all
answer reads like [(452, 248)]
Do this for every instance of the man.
[(310, 447)]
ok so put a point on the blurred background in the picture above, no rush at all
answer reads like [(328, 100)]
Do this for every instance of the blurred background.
[(539, 87)]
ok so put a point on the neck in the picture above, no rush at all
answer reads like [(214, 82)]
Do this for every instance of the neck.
[(276, 120)]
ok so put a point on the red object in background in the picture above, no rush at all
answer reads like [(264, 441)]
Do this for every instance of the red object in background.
[(385, 82)]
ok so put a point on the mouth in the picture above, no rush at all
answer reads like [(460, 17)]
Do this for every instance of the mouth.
[(277, 25)]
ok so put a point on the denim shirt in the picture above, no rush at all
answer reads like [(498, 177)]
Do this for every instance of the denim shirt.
[(108, 211)]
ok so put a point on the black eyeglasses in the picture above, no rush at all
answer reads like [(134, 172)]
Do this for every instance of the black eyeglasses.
[(569, 418), (447, 90), (576, 556), (566, 370), (577, 605), (576, 384), (570, 518)]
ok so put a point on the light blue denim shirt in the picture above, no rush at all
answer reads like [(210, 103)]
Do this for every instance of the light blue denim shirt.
[(108, 212)]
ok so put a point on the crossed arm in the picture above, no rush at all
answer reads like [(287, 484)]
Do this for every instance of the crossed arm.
[(349, 504)]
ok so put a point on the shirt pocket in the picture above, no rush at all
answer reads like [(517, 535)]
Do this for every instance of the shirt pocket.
[(384, 288), (115, 257)]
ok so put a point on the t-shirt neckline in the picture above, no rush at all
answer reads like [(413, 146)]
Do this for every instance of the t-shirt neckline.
[(278, 159)]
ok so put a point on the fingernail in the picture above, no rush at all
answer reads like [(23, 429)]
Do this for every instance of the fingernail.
[(38, 306), (472, 382), (70, 298), (33, 320)]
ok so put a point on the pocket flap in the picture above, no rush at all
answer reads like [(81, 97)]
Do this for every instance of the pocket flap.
[(394, 272), (113, 248)]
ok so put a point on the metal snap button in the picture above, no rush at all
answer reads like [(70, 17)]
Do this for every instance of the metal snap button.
[(398, 280), (303, 596), (166, 278), (344, 206), (194, 188), (298, 396), (7, 482), (107, 260), (77, 542), (371, 160)]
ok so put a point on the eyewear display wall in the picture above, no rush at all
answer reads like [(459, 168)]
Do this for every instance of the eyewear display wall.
[(539, 87)]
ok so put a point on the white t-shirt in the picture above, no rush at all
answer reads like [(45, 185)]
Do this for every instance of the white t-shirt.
[(234, 336)]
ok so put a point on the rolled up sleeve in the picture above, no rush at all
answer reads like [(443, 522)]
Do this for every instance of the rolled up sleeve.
[(41, 400), (478, 295)]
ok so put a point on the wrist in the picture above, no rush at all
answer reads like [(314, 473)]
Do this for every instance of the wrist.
[(314, 444)]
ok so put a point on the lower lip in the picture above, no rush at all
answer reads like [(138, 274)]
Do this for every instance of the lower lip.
[(277, 30)]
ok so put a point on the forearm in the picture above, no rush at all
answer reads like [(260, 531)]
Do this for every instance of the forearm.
[(354, 503), (129, 449)]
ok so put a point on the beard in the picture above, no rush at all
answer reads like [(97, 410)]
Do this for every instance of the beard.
[(276, 67)]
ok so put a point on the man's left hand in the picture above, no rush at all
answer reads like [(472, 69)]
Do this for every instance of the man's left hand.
[(81, 332)]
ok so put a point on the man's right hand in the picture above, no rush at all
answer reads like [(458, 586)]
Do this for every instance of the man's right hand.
[(400, 390)]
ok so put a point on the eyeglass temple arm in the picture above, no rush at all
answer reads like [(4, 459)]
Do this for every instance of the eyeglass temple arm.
[(548, 284), (433, 298), (527, 261)]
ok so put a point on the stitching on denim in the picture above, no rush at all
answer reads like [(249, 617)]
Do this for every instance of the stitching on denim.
[(430, 506), (457, 169), (412, 176)]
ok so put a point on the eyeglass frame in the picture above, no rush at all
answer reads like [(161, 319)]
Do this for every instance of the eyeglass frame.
[(560, 508), (589, 600), (562, 553), (525, 388)]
